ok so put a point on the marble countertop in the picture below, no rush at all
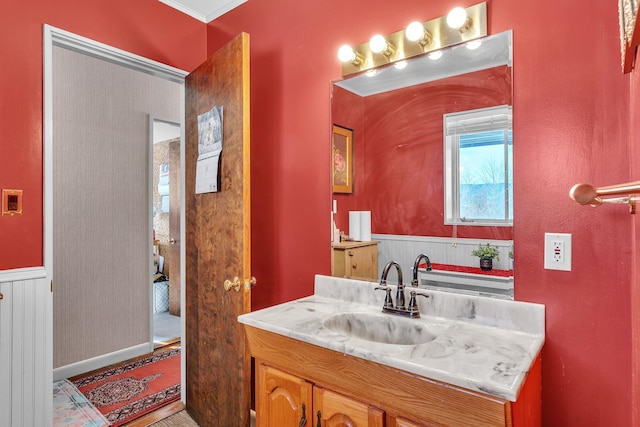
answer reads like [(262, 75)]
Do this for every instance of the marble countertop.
[(477, 343)]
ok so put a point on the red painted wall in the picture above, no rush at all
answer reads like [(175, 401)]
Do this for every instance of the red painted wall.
[(398, 152), (634, 138), (573, 118), (146, 27), (571, 124)]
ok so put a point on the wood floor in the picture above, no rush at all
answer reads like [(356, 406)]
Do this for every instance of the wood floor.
[(157, 415)]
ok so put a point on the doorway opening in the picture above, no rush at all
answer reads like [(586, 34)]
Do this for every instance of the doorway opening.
[(121, 141), (165, 211)]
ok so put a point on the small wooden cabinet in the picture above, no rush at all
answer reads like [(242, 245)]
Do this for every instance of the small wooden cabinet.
[(287, 400), (355, 260)]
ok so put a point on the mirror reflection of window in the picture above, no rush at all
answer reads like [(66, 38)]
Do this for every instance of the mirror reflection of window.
[(479, 167)]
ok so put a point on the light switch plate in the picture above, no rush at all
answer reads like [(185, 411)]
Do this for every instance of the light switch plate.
[(557, 251), (11, 202)]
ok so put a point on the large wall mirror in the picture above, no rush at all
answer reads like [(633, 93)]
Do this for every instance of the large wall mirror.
[(396, 119)]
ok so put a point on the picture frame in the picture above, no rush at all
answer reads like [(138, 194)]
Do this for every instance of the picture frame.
[(629, 32), (342, 159)]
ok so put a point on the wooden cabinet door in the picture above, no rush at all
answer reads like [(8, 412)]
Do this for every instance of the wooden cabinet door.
[(363, 262), (282, 399), (335, 410)]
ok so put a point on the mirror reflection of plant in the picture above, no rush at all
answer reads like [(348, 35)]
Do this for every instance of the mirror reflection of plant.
[(486, 252)]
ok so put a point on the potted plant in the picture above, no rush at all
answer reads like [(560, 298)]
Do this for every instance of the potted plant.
[(486, 254)]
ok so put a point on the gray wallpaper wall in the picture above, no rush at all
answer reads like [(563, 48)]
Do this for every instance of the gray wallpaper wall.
[(102, 248)]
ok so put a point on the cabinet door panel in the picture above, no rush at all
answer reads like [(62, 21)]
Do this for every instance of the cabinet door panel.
[(282, 399), (337, 410), (363, 262)]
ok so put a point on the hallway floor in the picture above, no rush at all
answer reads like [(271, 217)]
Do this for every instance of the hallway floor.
[(166, 328)]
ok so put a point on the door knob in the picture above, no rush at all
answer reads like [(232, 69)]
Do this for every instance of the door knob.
[(235, 284), (172, 241)]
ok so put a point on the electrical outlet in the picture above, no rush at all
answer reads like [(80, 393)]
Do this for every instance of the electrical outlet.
[(557, 251)]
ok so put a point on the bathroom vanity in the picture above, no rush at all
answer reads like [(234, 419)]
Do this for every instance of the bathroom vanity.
[(334, 356)]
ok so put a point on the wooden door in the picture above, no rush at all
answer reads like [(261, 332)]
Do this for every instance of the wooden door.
[(282, 399), (174, 227), (218, 237)]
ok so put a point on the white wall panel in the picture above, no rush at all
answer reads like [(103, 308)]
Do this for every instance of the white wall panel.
[(441, 250), (25, 348)]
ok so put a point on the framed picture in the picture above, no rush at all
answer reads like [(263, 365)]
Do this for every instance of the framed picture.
[(342, 160), (629, 32)]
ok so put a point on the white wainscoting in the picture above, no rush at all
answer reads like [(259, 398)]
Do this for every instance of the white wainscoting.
[(441, 250), (26, 348)]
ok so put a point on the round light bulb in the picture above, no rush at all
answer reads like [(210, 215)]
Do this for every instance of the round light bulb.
[(435, 55), (377, 44), (456, 17), (346, 53), (414, 31)]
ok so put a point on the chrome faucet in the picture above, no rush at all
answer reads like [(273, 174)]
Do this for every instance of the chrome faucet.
[(399, 308), (416, 264)]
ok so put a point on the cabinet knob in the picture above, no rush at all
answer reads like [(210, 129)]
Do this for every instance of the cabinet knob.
[(1, 296), (355, 265), (350, 253)]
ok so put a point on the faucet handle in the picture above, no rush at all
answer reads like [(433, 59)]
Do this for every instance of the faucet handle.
[(413, 304), (388, 302)]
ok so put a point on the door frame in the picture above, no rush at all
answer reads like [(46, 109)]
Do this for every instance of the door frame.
[(57, 37)]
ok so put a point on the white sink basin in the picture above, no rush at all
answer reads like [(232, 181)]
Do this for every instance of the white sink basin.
[(381, 328)]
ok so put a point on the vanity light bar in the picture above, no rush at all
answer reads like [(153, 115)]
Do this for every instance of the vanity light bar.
[(438, 36)]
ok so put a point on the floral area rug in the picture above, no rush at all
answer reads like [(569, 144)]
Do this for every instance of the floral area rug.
[(72, 409), (126, 392)]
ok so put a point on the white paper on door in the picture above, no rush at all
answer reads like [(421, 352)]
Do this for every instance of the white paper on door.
[(210, 135)]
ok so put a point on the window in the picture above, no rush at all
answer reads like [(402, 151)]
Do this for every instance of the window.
[(478, 167)]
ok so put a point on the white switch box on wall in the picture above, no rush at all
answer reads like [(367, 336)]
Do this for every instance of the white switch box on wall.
[(557, 251)]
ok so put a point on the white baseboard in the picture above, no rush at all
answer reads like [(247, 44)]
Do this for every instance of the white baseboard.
[(98, 362)]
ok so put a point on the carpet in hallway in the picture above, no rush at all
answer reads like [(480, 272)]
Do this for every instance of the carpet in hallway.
[(128, 391)]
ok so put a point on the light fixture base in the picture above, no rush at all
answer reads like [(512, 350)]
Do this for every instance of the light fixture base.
[(442, 36)]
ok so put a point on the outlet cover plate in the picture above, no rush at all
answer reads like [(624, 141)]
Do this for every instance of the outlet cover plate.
[(557, 251)]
